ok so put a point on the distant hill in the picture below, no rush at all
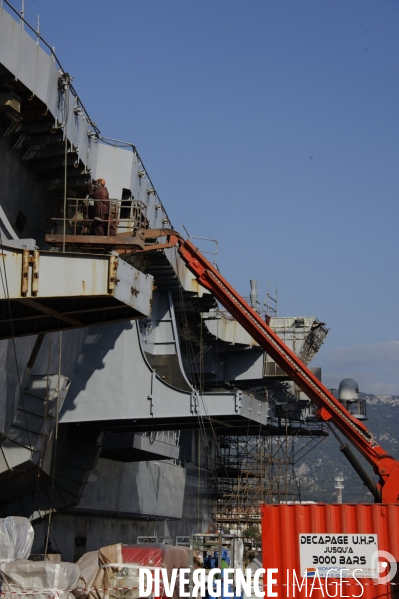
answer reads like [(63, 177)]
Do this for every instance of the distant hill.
[(317, 470)]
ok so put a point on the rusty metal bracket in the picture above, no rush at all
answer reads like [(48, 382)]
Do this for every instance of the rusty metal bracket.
[(133, 289), (172, 236), (25, 272), (27, 260), (34, 260), (112, 280)]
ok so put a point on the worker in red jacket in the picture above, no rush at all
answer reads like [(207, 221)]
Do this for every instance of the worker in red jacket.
[(104, 212)]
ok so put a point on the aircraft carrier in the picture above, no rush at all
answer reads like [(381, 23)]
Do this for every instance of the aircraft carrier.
[(133, 405)]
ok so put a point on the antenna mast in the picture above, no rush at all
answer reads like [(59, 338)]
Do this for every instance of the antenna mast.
[(339, 485)]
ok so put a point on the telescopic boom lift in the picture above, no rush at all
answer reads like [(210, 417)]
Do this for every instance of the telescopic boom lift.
[(329, 410)]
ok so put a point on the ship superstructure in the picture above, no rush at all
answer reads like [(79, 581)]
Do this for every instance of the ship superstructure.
[(133, 405)]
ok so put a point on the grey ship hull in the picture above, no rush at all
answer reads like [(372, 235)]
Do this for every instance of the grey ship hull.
[(84, 413)]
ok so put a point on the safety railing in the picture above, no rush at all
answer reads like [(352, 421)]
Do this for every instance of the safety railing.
[(36, 34), (206, 249), (358, 409), (170, 437), (118, 143), (95, 217)]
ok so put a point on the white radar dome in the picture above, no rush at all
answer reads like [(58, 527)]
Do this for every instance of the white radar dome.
[(348, 390)]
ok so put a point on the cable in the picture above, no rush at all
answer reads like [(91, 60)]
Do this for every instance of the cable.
[(57, 411), (309, 450), (21, 393), (195, 375), (66, 115), (66, 84), (199, 375)]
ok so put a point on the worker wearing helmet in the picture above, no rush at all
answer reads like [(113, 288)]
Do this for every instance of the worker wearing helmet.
[(104, 222)]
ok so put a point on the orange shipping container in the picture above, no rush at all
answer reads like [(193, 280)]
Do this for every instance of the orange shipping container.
[(329, 537)]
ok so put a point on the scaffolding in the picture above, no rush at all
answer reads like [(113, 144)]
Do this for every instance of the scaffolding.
[(252, 470)]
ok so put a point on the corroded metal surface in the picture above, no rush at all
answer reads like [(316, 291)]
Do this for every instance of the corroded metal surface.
[(48, 291)]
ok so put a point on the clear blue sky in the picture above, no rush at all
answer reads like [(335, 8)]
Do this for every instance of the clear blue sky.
[(273, 126)]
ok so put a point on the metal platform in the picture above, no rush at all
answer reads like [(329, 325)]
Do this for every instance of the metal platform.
[(49, 291), (225, 413), (125, 394), (93, 241), (133, 447)]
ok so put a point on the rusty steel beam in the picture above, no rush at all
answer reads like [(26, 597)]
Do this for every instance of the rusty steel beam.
[(36, 305), (87, 241)]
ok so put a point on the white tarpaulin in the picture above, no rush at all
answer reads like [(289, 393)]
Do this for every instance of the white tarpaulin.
[(38, 580), (351, 553), (16, 538)]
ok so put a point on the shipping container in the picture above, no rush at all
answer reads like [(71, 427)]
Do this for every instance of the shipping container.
[(327, 538)]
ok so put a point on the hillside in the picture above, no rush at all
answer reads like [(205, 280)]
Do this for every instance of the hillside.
[(317, 470)]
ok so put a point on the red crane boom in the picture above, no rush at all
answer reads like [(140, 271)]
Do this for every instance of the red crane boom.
[(329, 408)]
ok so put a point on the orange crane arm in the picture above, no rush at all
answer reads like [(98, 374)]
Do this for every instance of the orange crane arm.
[(329, 408)]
